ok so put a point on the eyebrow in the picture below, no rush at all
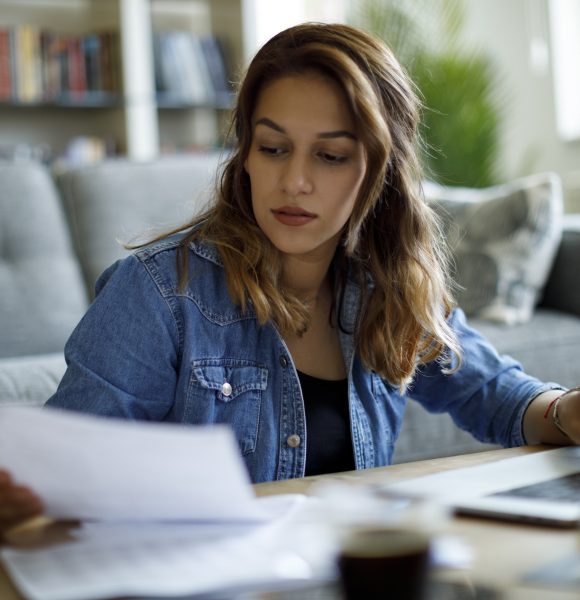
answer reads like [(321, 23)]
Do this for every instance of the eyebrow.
[(326, 135)]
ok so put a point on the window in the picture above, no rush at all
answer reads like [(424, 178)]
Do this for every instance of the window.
[(565, 44)]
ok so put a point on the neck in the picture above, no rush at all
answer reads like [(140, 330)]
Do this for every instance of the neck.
[(306, 278)]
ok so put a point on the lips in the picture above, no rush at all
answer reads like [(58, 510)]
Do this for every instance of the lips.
[(293, 216)]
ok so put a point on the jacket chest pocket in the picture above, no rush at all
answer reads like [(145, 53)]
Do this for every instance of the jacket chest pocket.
[(230, 392)]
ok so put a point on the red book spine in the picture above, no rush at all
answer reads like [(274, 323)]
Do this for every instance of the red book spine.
[(5, 66), (77, 77)]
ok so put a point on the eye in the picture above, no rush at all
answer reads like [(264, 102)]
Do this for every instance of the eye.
[(273, 151), (332, 159)]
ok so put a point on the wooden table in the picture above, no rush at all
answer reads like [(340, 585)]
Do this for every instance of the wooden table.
[(503, 552)]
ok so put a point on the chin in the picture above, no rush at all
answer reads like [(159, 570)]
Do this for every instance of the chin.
[(292, 247), (302, 247), (298, 241)]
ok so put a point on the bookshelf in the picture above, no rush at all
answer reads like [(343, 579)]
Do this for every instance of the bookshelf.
[(195, 117), (130, 111)]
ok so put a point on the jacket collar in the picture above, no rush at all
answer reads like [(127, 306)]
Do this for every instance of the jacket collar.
[(207, 251)]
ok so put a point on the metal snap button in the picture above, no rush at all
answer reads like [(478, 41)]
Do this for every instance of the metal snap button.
[(283, 361), (293, 440), (226, 389)]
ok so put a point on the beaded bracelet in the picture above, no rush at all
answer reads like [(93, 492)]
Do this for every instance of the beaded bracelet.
[(553, 406)]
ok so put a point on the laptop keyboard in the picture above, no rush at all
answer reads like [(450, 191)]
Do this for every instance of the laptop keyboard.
[(563, 489)]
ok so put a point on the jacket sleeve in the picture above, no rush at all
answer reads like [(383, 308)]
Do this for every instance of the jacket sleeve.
[(122, 358), (487, 396)]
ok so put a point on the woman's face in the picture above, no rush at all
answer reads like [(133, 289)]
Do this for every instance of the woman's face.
[(306, 164)]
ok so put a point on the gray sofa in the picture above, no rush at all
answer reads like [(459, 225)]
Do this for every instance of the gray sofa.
[(59, 232)]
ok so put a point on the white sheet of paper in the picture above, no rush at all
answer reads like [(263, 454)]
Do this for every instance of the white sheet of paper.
[(498, 476), (86, 467), (106, 559)]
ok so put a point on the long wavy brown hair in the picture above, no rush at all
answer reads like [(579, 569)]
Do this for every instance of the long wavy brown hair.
[(391, 242)]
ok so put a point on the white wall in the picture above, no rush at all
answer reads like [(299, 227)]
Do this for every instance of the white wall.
[(265, 18), (515, 33)]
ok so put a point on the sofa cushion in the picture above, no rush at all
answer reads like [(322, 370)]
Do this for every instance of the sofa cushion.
[(42, 293), (562, 291), (548, 345), (426, 435), (503, 239), (30, 380), (120, 201)]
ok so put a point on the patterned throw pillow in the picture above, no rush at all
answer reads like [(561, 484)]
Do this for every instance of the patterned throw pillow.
[(503, 240)]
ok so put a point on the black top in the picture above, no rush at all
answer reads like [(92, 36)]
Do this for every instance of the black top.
[(329, 445)]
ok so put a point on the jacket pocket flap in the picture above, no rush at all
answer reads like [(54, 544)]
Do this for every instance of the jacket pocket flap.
[(230, 378)]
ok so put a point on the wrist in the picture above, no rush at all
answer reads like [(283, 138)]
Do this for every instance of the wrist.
[(553, 411)]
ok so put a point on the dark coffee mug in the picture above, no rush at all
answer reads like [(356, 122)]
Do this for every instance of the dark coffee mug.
[(384, 564)]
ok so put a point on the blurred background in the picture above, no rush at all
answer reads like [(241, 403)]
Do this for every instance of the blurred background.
[(81, 80)]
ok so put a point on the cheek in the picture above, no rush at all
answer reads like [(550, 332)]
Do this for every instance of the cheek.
[(260, 176), (358, 183), (347, 190)]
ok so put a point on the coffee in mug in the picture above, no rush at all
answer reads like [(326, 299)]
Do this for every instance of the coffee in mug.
[(379, 563)]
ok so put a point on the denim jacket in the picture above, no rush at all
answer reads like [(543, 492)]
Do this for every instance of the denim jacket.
[(145, 350)]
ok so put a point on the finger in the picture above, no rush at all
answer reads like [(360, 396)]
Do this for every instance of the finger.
[(17, 494), (18, 500), (8, 523), (5, 478), (12, 520), (16, 514)]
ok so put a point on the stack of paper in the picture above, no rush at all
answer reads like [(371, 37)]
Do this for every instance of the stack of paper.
[(166, 509)]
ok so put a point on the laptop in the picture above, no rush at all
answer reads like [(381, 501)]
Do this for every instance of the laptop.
[(541, 488)]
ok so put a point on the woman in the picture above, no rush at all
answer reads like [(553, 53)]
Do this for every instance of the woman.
[(312, 297)]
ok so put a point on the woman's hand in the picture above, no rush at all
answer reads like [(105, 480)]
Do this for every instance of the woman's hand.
[(17, 503), (554, 418)]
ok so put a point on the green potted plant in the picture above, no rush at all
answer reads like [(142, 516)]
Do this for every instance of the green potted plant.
[(459, 87)]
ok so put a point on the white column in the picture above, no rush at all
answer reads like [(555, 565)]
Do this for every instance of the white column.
[(138, 80), (565, 43)]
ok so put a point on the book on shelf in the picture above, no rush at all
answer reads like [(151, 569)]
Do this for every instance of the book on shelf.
[(180, 74), (190, 69), (38, 65), (214, 53), (51, 84), (5, 66), (77, 77), (91, 50), (28, 66), (110, 60)]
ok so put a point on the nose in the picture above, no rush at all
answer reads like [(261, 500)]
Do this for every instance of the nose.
[(296, 177)]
